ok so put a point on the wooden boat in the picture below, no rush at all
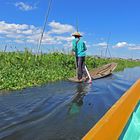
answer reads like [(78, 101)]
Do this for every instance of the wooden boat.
[(100, 72), (103, 71), (114, 122), (74, 79)]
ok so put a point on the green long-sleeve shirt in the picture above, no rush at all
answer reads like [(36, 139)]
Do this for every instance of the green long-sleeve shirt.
[(80, 48)]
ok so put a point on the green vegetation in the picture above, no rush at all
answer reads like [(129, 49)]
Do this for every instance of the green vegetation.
[(24, 69), (122, 63)]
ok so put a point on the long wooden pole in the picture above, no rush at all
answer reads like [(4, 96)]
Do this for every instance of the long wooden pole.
[(107, 49), (90, 79), (46, 20)]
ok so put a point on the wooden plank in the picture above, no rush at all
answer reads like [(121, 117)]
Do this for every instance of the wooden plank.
[(113, 122)]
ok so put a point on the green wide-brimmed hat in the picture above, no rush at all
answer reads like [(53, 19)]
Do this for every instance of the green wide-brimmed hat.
[(77, 34)]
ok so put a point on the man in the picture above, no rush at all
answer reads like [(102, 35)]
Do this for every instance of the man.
[(79, 48)]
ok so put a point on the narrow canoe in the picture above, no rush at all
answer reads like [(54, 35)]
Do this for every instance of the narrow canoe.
[(103, 71), (100, 72)]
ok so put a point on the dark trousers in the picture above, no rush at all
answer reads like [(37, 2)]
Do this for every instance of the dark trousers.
[(80, 61)]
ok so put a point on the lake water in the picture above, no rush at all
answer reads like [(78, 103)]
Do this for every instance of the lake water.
[(62, 110)]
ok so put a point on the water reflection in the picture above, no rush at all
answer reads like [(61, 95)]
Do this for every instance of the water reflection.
[(77, 101)]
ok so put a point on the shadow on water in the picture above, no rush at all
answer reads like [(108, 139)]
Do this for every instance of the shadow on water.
[(62, 110), (77, 100)]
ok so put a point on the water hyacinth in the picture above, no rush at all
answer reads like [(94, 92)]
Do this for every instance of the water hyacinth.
[(19, 70)]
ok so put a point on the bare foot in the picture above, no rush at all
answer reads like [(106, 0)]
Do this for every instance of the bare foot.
[(80, 80), (86, 78)]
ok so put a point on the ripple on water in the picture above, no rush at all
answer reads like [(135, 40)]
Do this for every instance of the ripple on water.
[(62, 110)]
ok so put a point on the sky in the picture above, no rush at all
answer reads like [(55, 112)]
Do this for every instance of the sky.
[(112, 23)]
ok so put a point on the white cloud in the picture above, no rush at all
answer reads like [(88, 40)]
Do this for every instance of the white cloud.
[(19, 41), (6, 27), (14, 36), (16, 30), (58, 28), (64, 38), (134, 48), (58, 33), (129, 45), (25, 7), (68, 45), (120, 45), (101, 44)]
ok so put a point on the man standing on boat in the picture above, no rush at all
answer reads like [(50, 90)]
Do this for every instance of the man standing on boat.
[(79, 50)]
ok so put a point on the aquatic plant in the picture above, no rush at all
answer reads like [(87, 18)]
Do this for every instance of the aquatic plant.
[(24, 69)]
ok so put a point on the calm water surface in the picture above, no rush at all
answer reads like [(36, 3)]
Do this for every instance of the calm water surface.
[(62, 110)]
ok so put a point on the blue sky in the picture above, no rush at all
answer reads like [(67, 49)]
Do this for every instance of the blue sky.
[(21, 23)]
